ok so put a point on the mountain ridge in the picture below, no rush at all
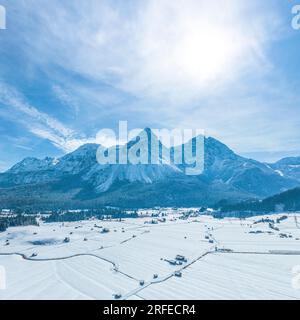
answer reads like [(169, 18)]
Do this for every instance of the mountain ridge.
[(77, 178)]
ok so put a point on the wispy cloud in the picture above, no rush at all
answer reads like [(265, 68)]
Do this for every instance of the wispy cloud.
[(66, 98), (23, 147), (37, 122), (185, 63), (12, 98), (43, 125), (167, 50)]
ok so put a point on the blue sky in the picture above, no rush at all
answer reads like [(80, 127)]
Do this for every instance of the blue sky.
[(71, 68)]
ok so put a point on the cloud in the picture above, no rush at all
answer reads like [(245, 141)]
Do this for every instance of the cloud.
[(37, 122), (45, 126), (166, 50), (66, 98), (11, 97), (185, 63)]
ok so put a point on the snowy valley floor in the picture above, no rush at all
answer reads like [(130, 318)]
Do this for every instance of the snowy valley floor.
[(252, 261)]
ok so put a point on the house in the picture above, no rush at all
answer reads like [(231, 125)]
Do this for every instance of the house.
[(6, 211), (180, 258), (178, 274), (174, 262), (117, 296), (283, 235)]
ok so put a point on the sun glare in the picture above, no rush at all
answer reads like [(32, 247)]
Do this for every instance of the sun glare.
[(192, 52), (203, 55)]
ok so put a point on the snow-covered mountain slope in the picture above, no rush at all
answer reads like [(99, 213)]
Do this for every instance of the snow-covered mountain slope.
[(247, 175), (33, 164), (78, 161), (30, 171), (226, 176), (288, 167), (102, 177)]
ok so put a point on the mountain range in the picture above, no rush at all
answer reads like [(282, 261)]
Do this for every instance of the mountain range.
[(77, 180)]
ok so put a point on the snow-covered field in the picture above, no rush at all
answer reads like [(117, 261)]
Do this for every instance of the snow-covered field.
[(95, 265)]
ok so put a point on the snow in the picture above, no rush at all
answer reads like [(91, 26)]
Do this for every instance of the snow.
[(40, 265), (76, 278), (147, 174), (32, 164), (231, 276), (280, 173)]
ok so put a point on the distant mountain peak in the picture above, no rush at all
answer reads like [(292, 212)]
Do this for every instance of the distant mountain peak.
[(289, 161), (78, 175), (32, 164), (288, 167)]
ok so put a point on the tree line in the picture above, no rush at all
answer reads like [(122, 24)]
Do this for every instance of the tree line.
[(15, 221)]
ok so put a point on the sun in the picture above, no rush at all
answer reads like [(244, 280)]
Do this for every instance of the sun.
[(183, 49), (204, 54)]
